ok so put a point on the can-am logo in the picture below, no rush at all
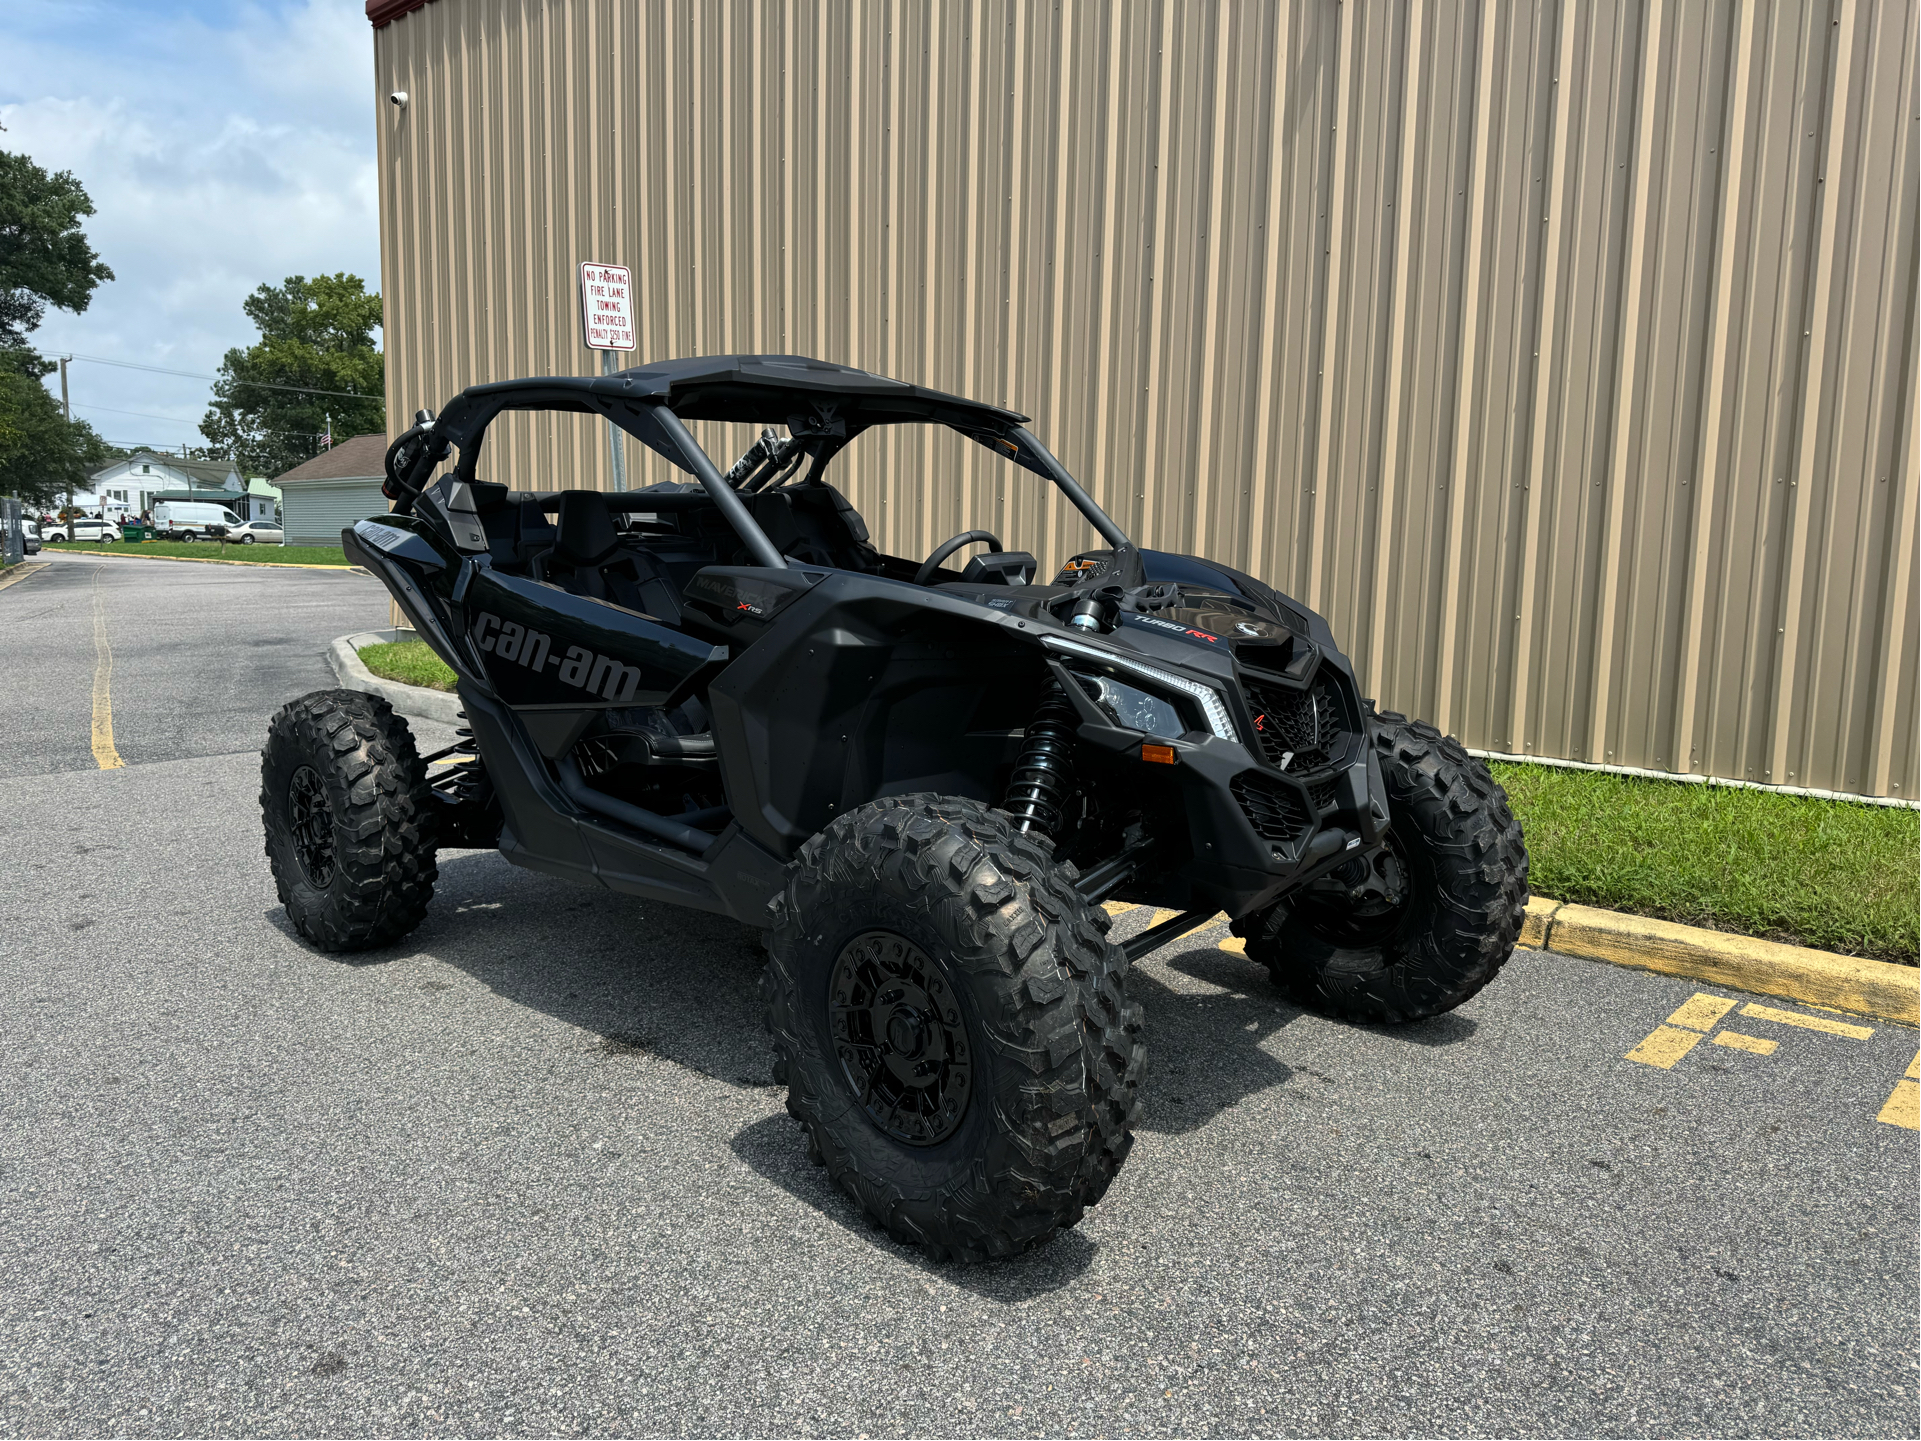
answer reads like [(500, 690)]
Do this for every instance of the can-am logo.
[(600, 675)]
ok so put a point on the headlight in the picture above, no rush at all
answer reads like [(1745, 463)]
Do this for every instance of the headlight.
[(1210, 701), (1135, 709)]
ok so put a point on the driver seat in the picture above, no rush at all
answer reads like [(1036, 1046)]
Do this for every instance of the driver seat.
[(587, 558)]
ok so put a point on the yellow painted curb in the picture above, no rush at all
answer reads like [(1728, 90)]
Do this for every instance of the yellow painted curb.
[(1742, 963), (1534, 925), (21, 571), (210, 560)]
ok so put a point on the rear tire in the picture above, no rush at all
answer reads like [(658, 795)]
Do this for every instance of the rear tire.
[(952, 1026), (350, 825), (1458, 864)]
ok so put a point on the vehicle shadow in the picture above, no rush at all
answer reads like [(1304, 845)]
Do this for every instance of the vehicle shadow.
[(683, 985), (1211, 1048), (776, 1150), (680, 984)]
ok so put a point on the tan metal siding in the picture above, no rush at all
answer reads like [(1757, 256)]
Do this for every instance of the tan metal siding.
[(1564, 354)]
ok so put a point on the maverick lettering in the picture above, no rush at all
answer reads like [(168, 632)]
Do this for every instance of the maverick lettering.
[(601, 675)]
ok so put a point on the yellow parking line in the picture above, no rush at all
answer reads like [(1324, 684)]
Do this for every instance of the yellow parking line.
[(1735, 1041), (1665, 1046), (1807, 1023), (103, 752), (1702, 1012), (1904, 1106)]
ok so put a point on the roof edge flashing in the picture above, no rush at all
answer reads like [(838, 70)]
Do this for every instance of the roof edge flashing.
[(382, 13)]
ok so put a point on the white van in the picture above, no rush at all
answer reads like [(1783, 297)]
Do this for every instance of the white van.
[(190, 519)]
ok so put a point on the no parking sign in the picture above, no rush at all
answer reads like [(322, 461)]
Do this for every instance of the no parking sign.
[(606, 306)]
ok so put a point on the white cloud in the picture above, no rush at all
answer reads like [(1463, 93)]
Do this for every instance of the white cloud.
[(224, 146)]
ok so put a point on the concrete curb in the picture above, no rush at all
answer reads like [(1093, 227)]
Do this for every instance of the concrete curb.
[(410, 700), (21, 571), (214, 560), (1741, 963)]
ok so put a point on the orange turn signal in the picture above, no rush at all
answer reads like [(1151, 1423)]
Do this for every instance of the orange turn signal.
[(1160, 755)]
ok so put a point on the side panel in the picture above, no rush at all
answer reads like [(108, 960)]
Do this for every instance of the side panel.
[(545, 647)]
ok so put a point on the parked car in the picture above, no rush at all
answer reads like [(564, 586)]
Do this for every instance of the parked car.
[(192, 519), (85, 531), (30, 537), (248, 532)]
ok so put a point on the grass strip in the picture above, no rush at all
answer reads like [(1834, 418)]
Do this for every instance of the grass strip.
[(410, 662), (1827, 874), (256, 554)]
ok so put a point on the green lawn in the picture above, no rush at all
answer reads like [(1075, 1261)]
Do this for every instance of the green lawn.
[(410, 662), (255, 554), (1828, 874)]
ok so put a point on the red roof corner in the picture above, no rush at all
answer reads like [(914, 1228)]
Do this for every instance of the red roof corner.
[(385, 12)]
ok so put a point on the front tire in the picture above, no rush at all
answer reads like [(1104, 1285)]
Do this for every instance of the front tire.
[(350, 825), (1441, 904), (953, 1026)]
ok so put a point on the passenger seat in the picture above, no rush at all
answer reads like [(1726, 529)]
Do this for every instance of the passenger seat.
[(588, 559)]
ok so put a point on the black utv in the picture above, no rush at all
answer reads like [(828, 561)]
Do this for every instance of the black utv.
[(920, 778)]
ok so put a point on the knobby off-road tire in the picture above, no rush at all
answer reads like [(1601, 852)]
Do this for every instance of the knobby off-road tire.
[(350, 825), (945, 901), (1464, 867)]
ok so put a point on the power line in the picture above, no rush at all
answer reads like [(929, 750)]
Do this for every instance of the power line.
[(195, 375), (149, 415)]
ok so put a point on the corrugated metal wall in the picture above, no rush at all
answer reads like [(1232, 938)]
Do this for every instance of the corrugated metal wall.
[(1564, 355)]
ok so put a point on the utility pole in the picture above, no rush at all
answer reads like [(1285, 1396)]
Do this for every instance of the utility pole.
[(66, 409)]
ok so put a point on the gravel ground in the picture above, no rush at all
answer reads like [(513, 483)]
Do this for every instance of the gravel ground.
[(525, 1173)]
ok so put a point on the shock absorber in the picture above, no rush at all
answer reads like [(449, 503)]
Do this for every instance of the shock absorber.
[(1044, 774)]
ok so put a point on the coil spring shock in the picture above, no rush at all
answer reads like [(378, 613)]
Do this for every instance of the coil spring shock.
[(462, 780), (1045, 771)]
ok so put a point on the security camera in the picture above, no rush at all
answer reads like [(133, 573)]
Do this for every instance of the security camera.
[(398, 98)]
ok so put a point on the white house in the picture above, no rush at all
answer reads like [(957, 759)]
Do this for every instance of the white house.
[(133, 484)]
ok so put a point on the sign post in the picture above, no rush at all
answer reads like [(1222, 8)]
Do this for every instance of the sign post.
[(607, 322)]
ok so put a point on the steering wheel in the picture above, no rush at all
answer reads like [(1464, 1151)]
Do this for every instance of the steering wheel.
[(948, 547)]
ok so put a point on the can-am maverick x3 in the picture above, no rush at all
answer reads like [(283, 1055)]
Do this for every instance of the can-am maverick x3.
[(921, 780)]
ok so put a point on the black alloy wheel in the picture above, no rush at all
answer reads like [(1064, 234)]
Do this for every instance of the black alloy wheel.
[(312, 823), (901, 1039)]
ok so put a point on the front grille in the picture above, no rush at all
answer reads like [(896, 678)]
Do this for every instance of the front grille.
[(1273, 807), (1323, 795), (1300, 731)]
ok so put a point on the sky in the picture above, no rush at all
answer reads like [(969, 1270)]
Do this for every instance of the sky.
[(225, 145)]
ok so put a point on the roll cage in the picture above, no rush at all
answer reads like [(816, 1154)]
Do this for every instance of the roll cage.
[(824, 407)]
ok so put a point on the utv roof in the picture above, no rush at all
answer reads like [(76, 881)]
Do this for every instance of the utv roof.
[(754, 389), (823, 405)]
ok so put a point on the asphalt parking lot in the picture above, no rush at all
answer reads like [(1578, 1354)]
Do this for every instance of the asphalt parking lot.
[(526, 1172)]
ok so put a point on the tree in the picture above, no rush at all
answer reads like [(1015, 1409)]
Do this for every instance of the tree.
[(42, 455), (44, 260), (316, 334), (44, 257)]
